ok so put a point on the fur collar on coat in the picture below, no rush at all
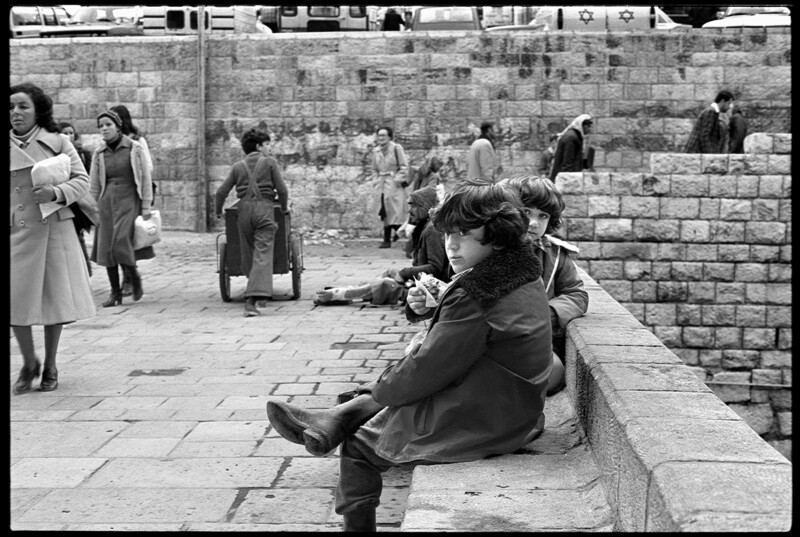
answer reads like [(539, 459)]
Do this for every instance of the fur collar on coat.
[(501, 273)]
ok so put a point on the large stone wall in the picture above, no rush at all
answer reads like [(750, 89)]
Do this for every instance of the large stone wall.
[(321, 96), (700, 251)]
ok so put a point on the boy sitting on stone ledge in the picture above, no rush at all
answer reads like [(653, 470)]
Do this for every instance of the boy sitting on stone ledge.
[(474, 387)]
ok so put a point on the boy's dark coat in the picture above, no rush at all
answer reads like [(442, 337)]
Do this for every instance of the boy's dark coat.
[(476, 385)]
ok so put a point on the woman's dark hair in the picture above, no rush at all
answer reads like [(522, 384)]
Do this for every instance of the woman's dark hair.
[(128, 128), (42, 104), (388, 130), (252, 138), (542, 194), (473, 204)]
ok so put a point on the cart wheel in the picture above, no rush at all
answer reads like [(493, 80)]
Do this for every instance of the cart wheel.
[(297, 263), (224, 277)]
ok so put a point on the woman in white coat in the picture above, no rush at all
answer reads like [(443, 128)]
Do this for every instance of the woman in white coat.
[(49, 279), (389, 177)]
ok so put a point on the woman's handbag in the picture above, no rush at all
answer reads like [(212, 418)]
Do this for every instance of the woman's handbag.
[(86, 212), (147, 232)]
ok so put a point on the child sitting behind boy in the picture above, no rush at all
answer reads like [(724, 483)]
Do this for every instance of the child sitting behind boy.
[(566, 294), (476, 384), (427, 256)]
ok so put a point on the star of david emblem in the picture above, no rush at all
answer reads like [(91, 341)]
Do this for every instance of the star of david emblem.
[(586, 16), (626, 16)]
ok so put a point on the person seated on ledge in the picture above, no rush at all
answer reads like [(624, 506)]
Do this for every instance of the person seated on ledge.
[(473, 387), (427, 256), (566, 293)]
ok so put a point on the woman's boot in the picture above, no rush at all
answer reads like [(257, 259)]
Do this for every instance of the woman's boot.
[(321, 430), (387, 236), (136, 282), (360, 520), (116, 292)]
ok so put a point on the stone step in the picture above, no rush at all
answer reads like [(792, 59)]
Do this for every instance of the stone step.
[(553, 483)]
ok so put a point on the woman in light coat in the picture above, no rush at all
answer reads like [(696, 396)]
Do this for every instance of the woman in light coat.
[(49, 283), (121, 184), (389, 177)]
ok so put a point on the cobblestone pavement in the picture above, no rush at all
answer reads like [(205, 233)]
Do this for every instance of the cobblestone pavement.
[(159, 421)]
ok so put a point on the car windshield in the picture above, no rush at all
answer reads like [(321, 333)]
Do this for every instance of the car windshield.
[(453, 14), (777, 10), (118, 14)]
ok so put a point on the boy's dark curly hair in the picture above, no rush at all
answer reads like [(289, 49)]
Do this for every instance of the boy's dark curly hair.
[(473, 204), (41, 102), (539, 193), (252, 138)]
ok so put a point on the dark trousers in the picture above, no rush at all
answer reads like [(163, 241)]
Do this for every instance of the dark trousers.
[(257, 230), (360, 481)]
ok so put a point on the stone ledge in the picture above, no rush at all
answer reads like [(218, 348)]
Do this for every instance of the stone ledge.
[(650, 421), (670, 455)]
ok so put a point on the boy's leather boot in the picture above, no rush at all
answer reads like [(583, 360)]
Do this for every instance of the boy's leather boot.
[(321, 430), (360, 520)]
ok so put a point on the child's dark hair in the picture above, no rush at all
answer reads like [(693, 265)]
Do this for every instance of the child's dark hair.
[(541, 194), (473, 204), (252, 138), (128, 128)]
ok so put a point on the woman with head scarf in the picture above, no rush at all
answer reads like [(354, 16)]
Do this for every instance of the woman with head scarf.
[(571, 146), (49, 283), (121, 184)]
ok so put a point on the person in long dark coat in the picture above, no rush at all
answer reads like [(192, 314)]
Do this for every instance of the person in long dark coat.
[(570, 152), (706, 135)]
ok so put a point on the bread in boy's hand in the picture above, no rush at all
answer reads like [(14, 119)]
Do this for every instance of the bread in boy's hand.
[(432, 287)]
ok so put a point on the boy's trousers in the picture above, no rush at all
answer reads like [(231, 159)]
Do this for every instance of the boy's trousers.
[(257, 229), (360, 481)]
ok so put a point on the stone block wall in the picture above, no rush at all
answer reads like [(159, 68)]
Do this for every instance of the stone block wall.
[(322, 96), (700, 252)]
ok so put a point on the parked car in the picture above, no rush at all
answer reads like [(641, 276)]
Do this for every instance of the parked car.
[(446, 18), (95, 21), (752, 17), (29, 21), (598, 19)]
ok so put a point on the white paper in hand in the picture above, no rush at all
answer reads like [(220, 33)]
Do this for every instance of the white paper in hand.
[(50, 171)]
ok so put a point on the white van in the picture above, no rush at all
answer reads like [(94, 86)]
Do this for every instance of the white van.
[(29, 21), (603, 18)]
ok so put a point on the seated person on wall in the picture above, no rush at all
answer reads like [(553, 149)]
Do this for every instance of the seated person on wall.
[(257, 178), (474, 387), (566, 294), (428, 256)]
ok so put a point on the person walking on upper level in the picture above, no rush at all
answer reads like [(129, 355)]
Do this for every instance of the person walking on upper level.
[(482, 158), (737, 128), (707, 135), (571, 147), (392, 21)]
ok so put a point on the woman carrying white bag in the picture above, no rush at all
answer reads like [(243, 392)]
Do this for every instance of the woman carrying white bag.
[(122, 185)]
